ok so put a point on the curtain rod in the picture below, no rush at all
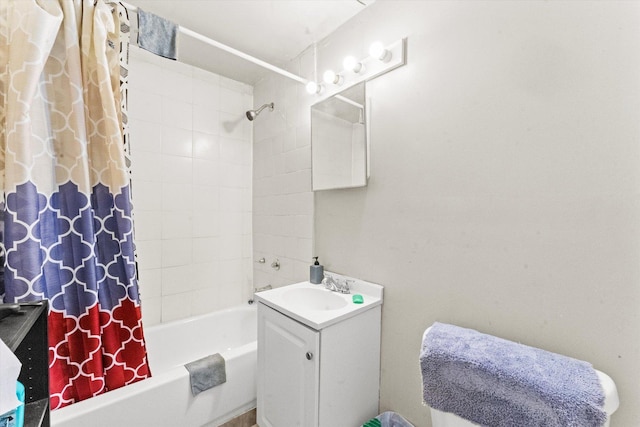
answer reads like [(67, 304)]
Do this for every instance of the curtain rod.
[(229, 49)]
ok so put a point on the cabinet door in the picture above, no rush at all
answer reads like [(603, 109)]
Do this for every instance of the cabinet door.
[(288, 374)]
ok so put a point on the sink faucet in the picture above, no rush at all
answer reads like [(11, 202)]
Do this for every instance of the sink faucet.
[(335, 285)]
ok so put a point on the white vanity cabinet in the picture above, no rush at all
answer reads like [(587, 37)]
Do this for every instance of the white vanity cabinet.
[(325, 377), (288, 371)]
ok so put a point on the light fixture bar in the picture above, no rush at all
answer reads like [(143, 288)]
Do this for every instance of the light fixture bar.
[(389, 58)]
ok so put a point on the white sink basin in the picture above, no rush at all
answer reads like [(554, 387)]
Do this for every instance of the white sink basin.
[(314, 299), (317, 307)]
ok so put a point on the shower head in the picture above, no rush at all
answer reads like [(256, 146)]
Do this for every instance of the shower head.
[(252, 114)]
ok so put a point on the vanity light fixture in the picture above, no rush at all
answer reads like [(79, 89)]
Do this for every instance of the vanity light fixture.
[(378, 51), (381, 59), (330, 77), (313, 88), (352, 64)]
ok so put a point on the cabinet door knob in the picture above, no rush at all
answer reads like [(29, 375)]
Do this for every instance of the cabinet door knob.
[(309, 355)]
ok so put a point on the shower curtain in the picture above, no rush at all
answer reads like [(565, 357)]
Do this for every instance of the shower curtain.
[(68, 230)]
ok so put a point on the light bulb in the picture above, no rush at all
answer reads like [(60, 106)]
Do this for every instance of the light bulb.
[(330, 77), (377, 51), (350, 63), (313, 88)]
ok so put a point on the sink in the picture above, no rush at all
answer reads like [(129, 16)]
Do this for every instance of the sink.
[(314, 299), (317, 307)]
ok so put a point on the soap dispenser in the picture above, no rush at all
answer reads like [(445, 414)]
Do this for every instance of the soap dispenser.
[(316, 272)]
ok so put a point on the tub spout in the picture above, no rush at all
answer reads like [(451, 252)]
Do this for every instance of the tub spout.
[(264, 288), (256, 290)]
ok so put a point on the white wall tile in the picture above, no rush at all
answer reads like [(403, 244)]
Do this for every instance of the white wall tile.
[(282, 204), (206, 224), (206, 173), (177, 141), (231, 295), (150, 283), (205, 249), (231, 101), (206, 76), (147, 165), (204, 274), (145, 76), (206, 119), (206, 93), (231, 247), (206, 146), (147, 195), (177, 169), (177, 280), (146, 106), (233, 125), (206, 198), (176, 225), (235, 85), (176, 252), (231, 199), (235, 151), (231, 223), (149, 254), (151, 311), (179, 67), (231, 175), (205, 300), (177, 85), (177, 198), (148, 135), (177, 115), (289, 140), (148, 225), (177, 306)]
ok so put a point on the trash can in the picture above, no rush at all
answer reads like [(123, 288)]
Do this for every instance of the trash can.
[(388, 419)]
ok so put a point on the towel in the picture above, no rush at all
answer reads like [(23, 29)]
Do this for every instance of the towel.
[(499, 383), (156, 34), (206, 373)]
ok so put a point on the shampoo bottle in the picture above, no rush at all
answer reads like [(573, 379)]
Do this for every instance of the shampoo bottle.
[(316, 272)]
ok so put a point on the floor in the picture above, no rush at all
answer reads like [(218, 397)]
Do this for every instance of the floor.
[(248, 419)]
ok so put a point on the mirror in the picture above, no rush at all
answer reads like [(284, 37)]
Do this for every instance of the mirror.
[(339, 140)]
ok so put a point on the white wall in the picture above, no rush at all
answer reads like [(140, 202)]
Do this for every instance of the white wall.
[(191, 154), (504, 184)]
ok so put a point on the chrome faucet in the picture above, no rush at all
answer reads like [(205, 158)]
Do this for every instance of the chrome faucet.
[(335, 285)]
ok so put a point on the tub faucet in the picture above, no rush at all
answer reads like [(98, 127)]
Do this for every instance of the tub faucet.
[(335, 285)]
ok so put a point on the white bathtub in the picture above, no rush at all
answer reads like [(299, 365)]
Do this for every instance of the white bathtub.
[(165, 399)]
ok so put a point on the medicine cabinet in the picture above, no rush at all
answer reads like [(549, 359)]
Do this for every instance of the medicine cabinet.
[(339, 140)]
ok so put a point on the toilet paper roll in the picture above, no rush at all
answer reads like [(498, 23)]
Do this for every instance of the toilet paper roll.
[(9, 371)]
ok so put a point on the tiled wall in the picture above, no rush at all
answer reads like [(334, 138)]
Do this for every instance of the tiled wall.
[(282, 196), (192, 160)]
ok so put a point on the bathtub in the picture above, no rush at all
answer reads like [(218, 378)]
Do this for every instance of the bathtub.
[(165, 399)]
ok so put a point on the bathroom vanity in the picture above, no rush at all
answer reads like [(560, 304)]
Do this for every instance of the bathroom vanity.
[(318, 355)]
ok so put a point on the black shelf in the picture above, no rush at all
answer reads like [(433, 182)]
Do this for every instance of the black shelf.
[(26, 336)]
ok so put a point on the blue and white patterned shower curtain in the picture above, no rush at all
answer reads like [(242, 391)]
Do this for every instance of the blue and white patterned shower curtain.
[(68, 233)]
